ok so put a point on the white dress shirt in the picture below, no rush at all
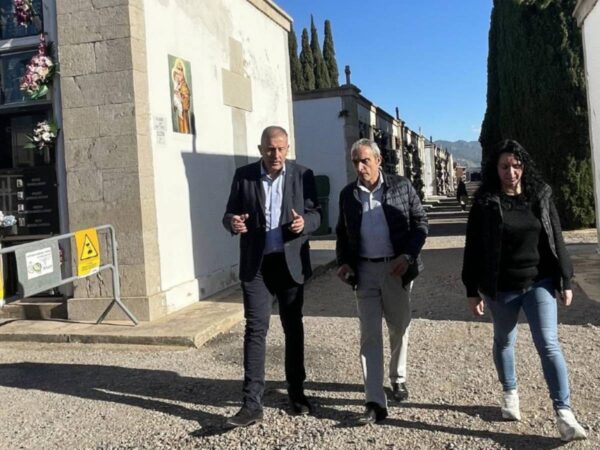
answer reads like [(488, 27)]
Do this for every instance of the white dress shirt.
[(273, 189)]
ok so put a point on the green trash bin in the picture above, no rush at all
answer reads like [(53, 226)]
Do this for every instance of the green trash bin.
[(323, 189)]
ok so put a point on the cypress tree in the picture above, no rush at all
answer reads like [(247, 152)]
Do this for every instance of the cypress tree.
[(295, 66), (536, 95), (321, 74), (329, 56), (490, 133), (307, 63)]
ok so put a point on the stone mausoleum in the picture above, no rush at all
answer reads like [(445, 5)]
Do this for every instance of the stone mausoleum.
[(157, 102)]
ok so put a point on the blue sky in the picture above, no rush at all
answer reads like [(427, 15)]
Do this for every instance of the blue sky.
[(428, 57)]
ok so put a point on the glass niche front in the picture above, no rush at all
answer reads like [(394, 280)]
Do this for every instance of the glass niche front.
[(28, 188), (12, 69), (10, 28)]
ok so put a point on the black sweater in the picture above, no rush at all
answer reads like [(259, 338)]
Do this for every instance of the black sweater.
[(483, 249), (525, 257)]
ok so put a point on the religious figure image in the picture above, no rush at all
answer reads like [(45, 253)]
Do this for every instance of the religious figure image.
[(181, 94)]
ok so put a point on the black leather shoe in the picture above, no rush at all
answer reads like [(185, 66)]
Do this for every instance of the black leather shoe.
[(399, 392), (373, 414), (244, 417), (299, 404)]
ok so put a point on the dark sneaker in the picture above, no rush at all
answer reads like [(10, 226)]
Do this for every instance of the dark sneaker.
[(373, 413), (244, 418), (399, 392)]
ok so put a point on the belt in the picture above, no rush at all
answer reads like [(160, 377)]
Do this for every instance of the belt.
[(377, 260)]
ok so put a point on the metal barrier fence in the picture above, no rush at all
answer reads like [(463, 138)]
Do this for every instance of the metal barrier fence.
[(39, 265)]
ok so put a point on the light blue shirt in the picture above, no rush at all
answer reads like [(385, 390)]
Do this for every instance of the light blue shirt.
[(273, 189), (375, 239)]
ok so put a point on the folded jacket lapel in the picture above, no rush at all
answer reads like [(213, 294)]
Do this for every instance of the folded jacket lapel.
[(287, 204), (259, 191)]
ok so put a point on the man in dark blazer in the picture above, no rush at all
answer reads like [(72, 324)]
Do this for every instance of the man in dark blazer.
[(273, 206)]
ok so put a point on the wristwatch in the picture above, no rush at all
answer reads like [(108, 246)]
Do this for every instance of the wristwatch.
[(409, 258)]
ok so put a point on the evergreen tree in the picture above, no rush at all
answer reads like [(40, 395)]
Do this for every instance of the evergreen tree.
[(536, 95), (321, 73), (329, 56), (307, 63), (295, 66)]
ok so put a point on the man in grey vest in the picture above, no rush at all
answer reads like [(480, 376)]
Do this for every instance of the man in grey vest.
[(381, 229)]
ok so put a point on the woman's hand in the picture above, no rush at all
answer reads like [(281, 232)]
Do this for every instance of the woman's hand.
[(566, 296), (476, 306)]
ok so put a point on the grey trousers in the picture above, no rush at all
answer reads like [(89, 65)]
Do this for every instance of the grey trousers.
[(381, 295)]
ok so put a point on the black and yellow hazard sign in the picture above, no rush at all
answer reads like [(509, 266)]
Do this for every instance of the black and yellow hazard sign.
[(88, 251)]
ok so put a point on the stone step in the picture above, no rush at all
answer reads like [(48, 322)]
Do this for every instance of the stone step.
[(436, 198), (448, 214), (454, 207), (34, 309), (448, 208)]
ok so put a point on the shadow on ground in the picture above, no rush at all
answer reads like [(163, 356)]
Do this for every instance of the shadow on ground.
[(169, 393), (455, 228)]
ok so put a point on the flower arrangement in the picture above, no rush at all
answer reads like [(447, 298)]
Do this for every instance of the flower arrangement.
[(7, 221), (39, 72), (23, 11), (43, 137)]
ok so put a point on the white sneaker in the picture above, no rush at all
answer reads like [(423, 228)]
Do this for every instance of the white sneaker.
[(510, 405), (568, 427)]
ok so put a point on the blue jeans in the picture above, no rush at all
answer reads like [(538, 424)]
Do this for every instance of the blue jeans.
[(539, 305)]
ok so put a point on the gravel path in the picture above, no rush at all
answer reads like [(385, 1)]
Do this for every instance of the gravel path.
[(99, 397)]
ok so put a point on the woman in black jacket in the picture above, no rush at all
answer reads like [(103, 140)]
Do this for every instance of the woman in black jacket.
[(515, 258)]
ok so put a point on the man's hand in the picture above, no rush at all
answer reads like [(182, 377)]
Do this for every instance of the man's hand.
[(238, 224), (566, 296), (476, 306), (345, 273), (399, 266), (297, 224)]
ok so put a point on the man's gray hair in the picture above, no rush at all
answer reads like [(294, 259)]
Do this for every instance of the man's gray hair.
[(271, 131), (364, 142)]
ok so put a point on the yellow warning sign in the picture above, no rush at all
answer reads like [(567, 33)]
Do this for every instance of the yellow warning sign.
[(88, 251)]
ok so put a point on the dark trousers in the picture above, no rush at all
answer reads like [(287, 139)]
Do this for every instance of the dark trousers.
[(273, 279)]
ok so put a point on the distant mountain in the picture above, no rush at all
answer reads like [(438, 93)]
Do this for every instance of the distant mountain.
[(464, 153)]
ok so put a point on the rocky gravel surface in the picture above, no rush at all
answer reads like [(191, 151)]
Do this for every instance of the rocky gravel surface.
[(115, 397)]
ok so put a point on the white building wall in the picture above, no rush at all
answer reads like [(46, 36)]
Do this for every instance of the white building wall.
[(591, 44), (429, 171), (193, 173), (321, 145)]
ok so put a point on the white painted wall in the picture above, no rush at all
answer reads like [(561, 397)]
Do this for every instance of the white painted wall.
[(429, 171), (321, 145), (591, 43), (193, 175)]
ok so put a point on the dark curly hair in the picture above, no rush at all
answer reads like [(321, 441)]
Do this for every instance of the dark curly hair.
[(531, 180)]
